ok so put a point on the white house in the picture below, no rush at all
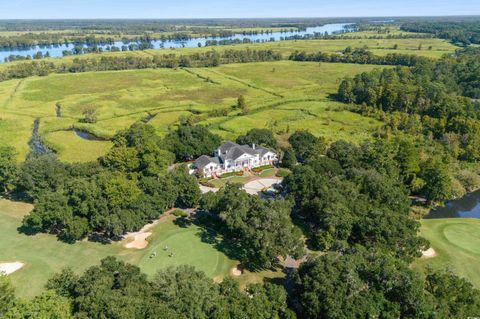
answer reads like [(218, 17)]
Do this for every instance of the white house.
[(232, 157)]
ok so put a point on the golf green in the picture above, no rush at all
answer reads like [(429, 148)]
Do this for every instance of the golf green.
[(456, 242), (177, 245)]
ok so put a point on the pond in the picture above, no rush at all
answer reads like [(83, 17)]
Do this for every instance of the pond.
[(86, 135), (57, 50), (465, 207)]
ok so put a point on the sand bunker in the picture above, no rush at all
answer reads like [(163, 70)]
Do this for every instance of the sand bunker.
[(10, 268), (236, 272), (429, 253), (139, 240)]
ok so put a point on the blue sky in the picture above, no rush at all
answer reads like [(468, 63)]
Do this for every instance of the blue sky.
[(45, 9)]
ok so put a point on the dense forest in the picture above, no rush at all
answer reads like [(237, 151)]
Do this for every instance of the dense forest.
[(436, 99), (461, 32)]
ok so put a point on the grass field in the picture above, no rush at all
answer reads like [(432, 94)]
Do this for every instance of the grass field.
[(44, 255), (439, 47), (457, 244), (283, 96)]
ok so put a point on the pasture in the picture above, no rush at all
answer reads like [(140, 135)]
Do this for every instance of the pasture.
[(43, 254), (456, 242), (283, 96)]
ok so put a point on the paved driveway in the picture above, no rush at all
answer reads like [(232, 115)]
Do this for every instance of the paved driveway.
[(253, 188), (256, 186)]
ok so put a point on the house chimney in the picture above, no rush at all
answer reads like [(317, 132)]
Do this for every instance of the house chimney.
[(253, 145)]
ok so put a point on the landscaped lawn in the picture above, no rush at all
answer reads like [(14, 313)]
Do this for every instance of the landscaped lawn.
[(270, 172), (457, 244), (234, 179), (44, 255)]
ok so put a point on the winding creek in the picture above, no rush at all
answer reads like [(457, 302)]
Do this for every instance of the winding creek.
[(36, 145), (466, 207), (56, 51)]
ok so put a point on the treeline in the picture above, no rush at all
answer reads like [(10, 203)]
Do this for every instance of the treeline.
[(106, 63), (356, 282), (360, 56), (50, 39), (439, 99), (235, 41), (462, 32), (115, 289)]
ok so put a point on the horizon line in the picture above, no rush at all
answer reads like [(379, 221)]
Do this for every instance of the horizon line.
[(246, 18)]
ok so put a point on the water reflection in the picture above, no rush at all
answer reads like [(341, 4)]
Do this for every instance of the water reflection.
[(465, 207), (56, 51)]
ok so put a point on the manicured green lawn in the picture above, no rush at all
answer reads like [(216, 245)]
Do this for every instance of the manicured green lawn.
[(188, 249), (44, 255), (270, 172), (457, 244), (234, 179)]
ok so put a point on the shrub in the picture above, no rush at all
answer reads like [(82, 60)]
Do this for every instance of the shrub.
[(231, 174), (261, 168), (206, 182), (282, 172), (179, 213), (469, 180), (457, 188)]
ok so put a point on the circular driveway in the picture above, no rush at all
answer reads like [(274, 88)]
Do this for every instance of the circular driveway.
[(256, 186)]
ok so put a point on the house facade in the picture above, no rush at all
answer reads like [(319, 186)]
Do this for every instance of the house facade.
[(232, 157)]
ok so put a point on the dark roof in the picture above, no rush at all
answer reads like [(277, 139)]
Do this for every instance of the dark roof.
[(230, 151), (204, 160), (225, 147), (262, 150), (237, 151)]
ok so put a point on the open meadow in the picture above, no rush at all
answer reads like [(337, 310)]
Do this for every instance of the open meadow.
[(456, 242), (44, 254), (283, 96)]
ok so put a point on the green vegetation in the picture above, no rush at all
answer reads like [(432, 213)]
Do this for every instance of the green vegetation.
[(355, 140), (124, 97), (456, 243), (36, 251)]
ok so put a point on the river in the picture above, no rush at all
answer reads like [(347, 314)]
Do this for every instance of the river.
[(56, 51), (466, 207)]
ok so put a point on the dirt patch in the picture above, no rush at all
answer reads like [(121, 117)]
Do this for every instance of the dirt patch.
[(236, 272), (10, 268), (429, 253)]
